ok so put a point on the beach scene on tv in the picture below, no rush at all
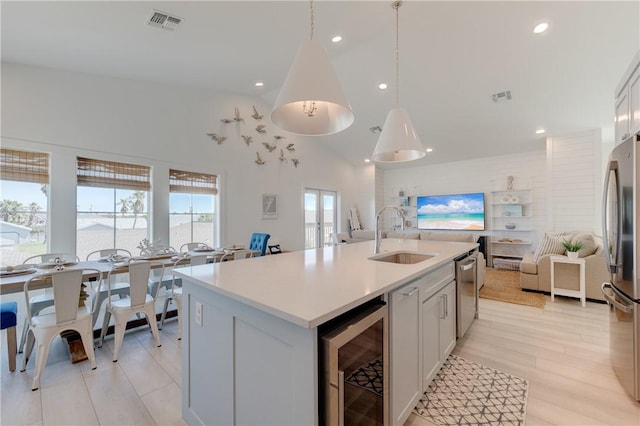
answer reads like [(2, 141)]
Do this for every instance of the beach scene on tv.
[(457, 211)]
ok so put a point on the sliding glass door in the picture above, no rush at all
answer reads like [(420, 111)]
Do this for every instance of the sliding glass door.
[(320, 217)]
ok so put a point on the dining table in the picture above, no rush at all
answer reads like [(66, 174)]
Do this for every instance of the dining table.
[(13, 281)]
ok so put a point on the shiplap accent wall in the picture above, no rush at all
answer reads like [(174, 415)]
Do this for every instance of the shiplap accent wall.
[(574, 164)]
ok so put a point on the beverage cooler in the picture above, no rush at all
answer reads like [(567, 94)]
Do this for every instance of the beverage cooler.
[(354, 368)]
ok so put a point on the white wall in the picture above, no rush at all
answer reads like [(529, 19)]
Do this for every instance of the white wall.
[(479, 175), (565, 179), (70, 114)]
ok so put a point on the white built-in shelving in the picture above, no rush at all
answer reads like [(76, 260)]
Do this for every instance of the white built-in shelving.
[(511, 227)]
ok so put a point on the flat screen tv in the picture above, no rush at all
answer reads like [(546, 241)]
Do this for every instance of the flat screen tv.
[(454, 211)]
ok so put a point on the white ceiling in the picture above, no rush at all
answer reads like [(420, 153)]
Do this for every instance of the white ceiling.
[(453, 57)]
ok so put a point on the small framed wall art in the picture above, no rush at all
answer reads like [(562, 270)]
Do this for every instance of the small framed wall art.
[(269, 206)]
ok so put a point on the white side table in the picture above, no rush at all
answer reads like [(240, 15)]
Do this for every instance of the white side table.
[(562, 291)]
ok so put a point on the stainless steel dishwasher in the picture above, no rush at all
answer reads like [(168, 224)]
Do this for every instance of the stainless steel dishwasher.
[(466, 292)]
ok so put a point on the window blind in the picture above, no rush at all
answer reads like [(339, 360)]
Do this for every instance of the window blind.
[(24, 166), (111, 174), (192, 183)]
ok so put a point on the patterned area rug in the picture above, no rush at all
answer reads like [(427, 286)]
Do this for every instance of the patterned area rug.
[(505, 287), (466, 393), (368, 377)]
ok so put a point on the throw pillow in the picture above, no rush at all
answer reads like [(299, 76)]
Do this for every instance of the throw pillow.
[(550, 245), (567, 235), (589, 245)]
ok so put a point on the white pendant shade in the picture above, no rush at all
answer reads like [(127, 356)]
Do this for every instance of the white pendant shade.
[(312, 79), (398, 140)]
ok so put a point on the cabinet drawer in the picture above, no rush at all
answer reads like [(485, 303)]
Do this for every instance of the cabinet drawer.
[(435, 280)]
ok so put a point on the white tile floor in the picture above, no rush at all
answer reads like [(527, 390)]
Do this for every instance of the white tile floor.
[(562, 350), (142, 388)]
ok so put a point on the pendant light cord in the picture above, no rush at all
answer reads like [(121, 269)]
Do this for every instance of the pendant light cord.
[(311, 17), (396, 6)]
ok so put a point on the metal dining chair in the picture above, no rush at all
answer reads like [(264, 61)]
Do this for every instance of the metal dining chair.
[(175, 292), (67, 315), (138, 302), (238, 254), (192, 246), (105, 253), (43, 299), (46, 257)]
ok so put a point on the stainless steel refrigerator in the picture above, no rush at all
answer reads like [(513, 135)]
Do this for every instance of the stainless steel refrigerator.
[(621, 235)]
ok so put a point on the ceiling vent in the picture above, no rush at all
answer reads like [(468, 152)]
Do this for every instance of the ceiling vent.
[(502, 96), (163, 20)]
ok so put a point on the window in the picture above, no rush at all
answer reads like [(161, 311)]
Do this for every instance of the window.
[(24, 183), (192, 215), (112, 205)]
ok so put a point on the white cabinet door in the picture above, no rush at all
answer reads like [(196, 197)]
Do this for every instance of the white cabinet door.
[(432, 314), (448, 323), (634, 103), (406, 383), (622, 117)]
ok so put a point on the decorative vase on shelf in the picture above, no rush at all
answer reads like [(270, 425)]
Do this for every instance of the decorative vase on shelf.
[(572, 254)]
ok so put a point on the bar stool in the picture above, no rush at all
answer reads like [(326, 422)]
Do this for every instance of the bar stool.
[(8, 320)]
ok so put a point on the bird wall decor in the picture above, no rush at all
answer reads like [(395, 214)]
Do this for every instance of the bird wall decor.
[(290, 147), (261, 128), (256, 115), (259, 161), (247, 139), (226, 120), (236, 116), (269, 147), (217, 138), (282, 158), (276, 137), (295, 162)]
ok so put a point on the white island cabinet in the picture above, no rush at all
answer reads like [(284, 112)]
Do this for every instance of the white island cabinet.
[(423, 334), (250, 334)]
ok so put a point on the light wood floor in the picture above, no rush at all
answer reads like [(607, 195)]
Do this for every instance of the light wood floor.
[(562, 350)]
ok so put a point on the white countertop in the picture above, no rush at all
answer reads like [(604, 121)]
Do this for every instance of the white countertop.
[(313, 286)]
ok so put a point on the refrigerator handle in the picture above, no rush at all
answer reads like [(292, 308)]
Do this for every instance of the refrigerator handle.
[(624, 308), (612, 167)]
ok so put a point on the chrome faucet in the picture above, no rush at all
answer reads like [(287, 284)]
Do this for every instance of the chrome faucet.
[(379, 231)]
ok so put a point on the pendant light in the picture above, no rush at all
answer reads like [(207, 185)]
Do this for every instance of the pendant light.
[(311, 101), (398, 141)]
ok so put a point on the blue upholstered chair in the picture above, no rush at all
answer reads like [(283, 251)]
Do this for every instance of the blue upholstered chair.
[(9, 320), (259, 242)]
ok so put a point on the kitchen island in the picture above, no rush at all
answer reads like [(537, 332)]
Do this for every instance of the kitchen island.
[(250, 328)]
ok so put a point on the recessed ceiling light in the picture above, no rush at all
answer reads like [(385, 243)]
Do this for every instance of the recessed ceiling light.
[(336, 39), (259, 84), (367, 160), (540, 131), (540, 28), (429, 149), (382, 86)]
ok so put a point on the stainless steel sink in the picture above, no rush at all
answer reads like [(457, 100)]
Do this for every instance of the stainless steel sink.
[(402, 257)]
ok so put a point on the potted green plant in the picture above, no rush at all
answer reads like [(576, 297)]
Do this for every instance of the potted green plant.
[(572, 248)]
